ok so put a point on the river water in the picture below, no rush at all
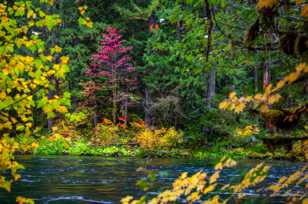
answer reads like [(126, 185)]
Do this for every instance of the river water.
[(68, 179)]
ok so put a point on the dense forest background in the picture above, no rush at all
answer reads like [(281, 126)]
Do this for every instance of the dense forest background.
[(201, 52), (201, 78), (172, 63)]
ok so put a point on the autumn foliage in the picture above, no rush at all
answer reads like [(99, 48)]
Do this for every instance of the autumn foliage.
[(29, 68), (113, 63)]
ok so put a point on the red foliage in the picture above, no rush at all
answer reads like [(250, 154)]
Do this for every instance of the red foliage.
[(122, 118), (113, 63), (111, 59)]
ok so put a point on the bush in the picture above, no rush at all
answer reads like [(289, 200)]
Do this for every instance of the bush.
[(105, 135), (78, 148), (53, 145), (161, 138)]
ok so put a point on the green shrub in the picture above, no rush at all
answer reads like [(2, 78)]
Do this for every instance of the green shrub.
[(105, 135), (51, 146), (78, 148)]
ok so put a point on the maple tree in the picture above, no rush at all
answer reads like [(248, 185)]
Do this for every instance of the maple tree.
[(113, 63)]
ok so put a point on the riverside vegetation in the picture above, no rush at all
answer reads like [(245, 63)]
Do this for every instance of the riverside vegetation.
[(154, 78)]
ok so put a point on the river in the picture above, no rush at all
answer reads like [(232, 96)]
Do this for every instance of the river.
[(69, 179)]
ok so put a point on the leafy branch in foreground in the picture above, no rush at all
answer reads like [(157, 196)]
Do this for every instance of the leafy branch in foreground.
[(30, 68), (201, 187)]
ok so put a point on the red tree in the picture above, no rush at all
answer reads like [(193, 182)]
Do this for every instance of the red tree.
[(113, 63)]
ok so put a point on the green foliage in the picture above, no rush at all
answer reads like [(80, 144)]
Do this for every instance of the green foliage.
[(78, 148), (56, 146), (105, 135)]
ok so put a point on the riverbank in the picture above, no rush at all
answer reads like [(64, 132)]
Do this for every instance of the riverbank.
[(62, 146)]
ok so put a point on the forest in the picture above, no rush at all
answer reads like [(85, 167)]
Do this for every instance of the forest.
[(153, 101)]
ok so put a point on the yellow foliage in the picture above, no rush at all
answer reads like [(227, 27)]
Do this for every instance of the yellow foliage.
[(105, 135), (253, 177), (232, 95), (8, 146), (57, 49), (233, 103), (138, 124), (85, 21), (297, 177), (27, 73), (225, 163), (214, 200), (64, 130), (34, 145), (273, 99), (55, 137), (22, 200), (106, 121), (193, 189), (298, 2), (2, 9), (88, 22), (64, 59), (62, 109), (264, 4), (263, 100), (224, 105), (304, 12), (127, 199), (247, 131), (159, 138), (82, 9)]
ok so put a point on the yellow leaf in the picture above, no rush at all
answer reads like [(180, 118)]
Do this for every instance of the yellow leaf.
[(298, 2), (274, 99), (62, 109), (224, 105), (239, 107), (49, 58), (64, 59), (82, 9), (57, 49), (34, 145), (232, 95), (214, 177), (22, 200), (262, 4), (304, 12), (210, 188), (264, 108)]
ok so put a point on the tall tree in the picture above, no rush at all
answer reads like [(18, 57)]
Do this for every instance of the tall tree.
[(113, 63)]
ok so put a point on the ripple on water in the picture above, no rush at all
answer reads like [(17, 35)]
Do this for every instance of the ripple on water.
[(72, 199), (66, 179)]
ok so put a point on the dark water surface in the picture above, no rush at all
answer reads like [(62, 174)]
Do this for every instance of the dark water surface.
[(68, 179)]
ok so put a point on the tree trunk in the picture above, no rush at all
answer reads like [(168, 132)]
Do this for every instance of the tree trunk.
[(95, 119), (147, 115), (114, 96), (125, 107), (210, 93), (266, 75), (179, 30), (50, 121), (211, 87), (256, 79)]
